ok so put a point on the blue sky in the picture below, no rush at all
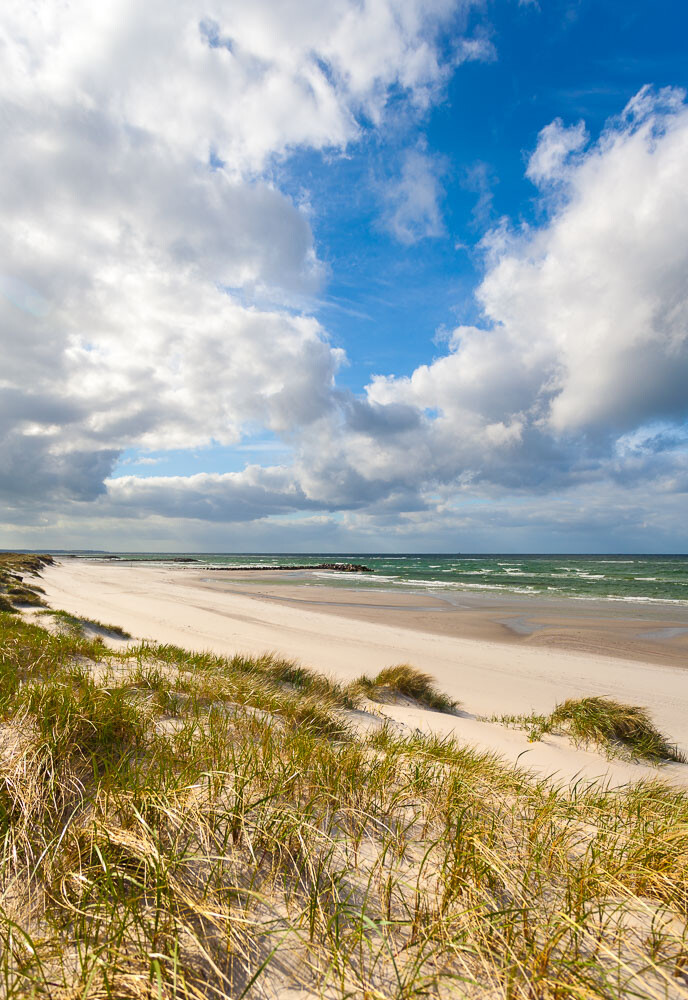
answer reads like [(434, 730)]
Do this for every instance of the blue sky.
[(559, 59), (386, 275)]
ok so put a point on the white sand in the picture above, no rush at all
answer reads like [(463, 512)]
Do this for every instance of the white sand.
[(167, 604)]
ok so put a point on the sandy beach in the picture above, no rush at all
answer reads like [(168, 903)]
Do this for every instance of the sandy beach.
[(494, 657)]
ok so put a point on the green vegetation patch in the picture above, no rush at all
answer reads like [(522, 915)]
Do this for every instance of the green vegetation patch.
[(406, 681), (78, 717), (625, 731), (609, 723), (83, 625), (15, 591)]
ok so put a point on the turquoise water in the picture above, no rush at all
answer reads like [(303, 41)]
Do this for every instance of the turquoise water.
[(621, 577)]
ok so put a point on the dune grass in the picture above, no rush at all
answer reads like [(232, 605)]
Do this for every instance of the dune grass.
[(82, 625), (624, 731), (15, 590), (407, 681), (186, 825)]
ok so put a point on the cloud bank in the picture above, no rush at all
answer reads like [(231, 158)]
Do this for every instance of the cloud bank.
[(152, 276), (140, 234), (585, 335)]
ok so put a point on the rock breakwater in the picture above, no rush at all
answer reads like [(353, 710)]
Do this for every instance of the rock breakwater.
[(338, 567)]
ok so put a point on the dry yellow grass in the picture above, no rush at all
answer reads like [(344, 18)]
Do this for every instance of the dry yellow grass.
[(185, 826)]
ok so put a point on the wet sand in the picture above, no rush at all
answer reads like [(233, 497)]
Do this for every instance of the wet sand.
[(648, 633)]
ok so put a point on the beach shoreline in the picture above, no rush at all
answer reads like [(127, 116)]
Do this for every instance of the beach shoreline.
[(141, 764), (177, 605), (647, 633)]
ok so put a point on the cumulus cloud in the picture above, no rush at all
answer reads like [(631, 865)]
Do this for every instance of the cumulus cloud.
[(140, 230), (249, 495), (554, 151), (585, 337), (248, 80), (139, 227)]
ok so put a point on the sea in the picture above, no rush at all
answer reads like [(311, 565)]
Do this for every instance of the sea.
[(640, 578)]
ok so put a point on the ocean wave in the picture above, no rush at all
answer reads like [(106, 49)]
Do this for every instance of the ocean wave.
[(647, 600), (607, 579), (354, 577), (528, 588), (531, 590)]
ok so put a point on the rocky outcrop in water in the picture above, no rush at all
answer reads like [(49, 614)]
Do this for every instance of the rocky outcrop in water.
[(345, 567)]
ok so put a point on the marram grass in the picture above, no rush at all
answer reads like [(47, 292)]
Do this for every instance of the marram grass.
[(15, 589), (625, 731), (404, 680), (178, 825), (86, 625)]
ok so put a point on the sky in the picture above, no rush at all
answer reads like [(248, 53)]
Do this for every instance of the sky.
[(364, 276)]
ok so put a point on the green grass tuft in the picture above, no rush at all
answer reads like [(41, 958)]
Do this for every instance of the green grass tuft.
[(14, 590), (85, 719), (625, 731), (406, 680), (607, 723), (80, 625)]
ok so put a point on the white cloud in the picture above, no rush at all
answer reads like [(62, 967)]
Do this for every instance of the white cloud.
[(247, 80), (413, 199), (139, 227), (598, 297), (610, 518), (552, 156), (586, 333), (130, 272), (584, 353), (249, 495)]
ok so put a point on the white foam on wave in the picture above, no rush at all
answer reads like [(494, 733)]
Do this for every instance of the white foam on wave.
[(649, 600), (353, 577), (526, 589)]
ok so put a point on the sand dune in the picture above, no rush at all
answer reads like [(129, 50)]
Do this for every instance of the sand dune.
[(169, 604)]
